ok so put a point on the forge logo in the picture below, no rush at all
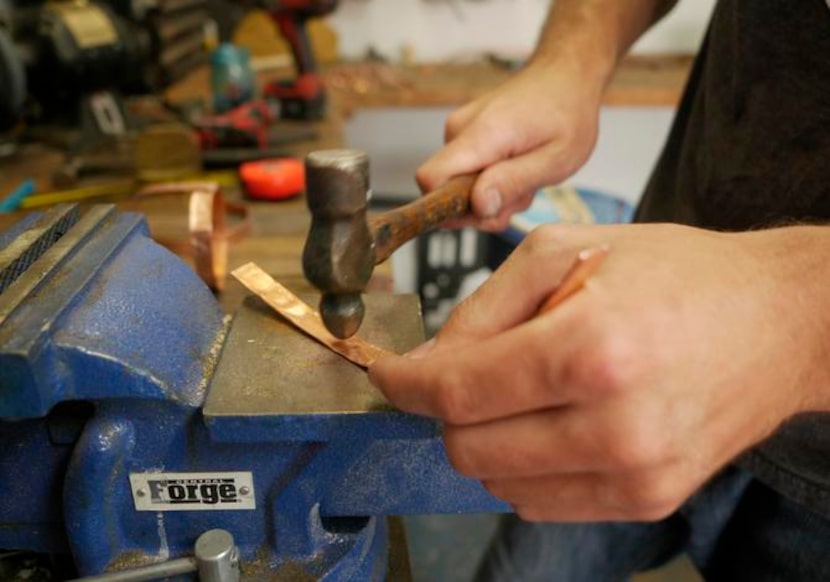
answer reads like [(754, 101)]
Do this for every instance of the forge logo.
[(192, 491)]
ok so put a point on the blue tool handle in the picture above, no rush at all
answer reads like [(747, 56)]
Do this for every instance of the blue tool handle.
[(12, 201)]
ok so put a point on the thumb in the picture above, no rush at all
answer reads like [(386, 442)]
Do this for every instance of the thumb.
[(511, 183)]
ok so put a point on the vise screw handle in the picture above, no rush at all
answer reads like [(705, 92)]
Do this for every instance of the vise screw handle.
[(216, 560)]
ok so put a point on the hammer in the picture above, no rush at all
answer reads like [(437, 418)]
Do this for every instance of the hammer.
[(344, 245)]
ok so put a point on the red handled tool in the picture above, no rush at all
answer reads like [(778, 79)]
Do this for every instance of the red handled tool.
[(275, 179)]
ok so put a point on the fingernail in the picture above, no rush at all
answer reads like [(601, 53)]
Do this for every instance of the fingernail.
[(422, 350), (490, 202)]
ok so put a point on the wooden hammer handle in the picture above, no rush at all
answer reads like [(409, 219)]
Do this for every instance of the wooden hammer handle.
[(392, 229)]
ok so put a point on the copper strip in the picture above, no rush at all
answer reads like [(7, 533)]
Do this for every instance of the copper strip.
[(206, 224), (585, 265), (304, 317), (209, 235)]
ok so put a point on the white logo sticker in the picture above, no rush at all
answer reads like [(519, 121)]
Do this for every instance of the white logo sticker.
[(192, 491)]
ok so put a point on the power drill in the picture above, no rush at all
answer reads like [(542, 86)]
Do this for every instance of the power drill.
[(302, 97)]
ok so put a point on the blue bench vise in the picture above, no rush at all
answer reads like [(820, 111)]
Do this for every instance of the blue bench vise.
[(135, 417)]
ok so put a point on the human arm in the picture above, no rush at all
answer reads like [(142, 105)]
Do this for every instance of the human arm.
[(684, 349), (541, 126)]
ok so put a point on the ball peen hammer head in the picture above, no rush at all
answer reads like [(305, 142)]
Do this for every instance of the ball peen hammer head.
[(338, 257)]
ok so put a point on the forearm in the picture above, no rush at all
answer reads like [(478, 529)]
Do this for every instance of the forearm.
[(591, 35), (798, 261)]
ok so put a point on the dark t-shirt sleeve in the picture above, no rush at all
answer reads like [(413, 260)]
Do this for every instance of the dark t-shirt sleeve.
[(751, 142)]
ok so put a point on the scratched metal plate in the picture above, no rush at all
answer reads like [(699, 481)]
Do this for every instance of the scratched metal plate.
[(274, 381)]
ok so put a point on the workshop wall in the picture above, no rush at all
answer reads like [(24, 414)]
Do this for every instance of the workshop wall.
[(439, 30)]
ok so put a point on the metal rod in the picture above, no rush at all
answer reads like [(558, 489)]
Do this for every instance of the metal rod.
[(152, 572), (217, 556)]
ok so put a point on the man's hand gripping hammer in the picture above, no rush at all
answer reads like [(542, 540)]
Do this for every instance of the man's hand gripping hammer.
[(344, 245)]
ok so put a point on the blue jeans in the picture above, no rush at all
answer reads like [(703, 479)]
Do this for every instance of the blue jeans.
[(735, 528)]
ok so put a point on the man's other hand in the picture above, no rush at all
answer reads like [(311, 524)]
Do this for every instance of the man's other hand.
[(685, 348)]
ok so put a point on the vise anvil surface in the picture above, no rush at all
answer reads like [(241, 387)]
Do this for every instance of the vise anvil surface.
[(275, 381), (134, 417)]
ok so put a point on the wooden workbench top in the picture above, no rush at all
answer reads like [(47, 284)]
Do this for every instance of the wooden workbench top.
[(639, 81)]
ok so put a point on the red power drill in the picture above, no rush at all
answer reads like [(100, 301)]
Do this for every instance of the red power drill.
[(243, 127), (302, 97)]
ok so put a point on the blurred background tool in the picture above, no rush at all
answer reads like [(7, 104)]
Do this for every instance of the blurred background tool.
[(245, 126), (232, 157), (109, 191), (159, 152), (117, 189), (76, 56), (247, 133), (112, 157), (302, 97), (231, 78), (273, 179), (75, 59), (167, 151), (13, 201), (12, 79)]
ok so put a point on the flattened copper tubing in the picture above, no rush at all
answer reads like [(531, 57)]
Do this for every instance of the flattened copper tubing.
[(304, 317), (585, 265)]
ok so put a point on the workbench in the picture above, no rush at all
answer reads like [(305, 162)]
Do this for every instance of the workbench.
[(279, 229)]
